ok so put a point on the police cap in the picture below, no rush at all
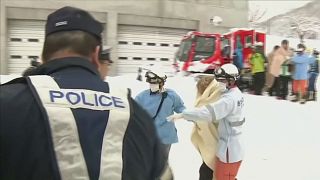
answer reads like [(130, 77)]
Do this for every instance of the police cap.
[(105, 55), (71, 18)]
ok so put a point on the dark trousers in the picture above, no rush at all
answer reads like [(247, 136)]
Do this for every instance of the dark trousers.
[(205, 173), (258, 82), (275, 90), (167, 173), (312, 82), (283, 86)]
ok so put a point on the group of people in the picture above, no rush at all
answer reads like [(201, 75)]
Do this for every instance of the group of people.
[(285, 65), (62, 120)]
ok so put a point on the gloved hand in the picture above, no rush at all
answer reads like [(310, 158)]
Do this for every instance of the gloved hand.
[(174, 117)]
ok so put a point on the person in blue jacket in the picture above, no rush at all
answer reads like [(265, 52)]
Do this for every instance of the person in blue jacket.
[(301, 63), (160, 103), (63, 122), (313, 76), (238, 54)]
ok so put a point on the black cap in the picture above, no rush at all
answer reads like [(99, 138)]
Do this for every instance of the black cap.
[(301, 46), (284, 41), (105, 55), (70, 18)]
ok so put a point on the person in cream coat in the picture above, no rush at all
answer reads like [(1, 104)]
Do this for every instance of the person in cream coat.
[(228, 112), (205, 134)]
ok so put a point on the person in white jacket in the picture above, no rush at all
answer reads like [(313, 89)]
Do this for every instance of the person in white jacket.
[(228, 111), (204, 135)]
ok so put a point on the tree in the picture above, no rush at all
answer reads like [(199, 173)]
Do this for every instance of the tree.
[(304, 27), (256, 14)]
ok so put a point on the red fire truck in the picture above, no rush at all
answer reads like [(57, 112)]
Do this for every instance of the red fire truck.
[(202, 52)]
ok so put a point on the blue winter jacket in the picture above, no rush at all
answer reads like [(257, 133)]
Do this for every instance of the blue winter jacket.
[(172, 103), (238, 59), (314, 67), (302, 63)]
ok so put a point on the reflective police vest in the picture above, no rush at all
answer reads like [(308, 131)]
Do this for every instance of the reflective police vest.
[(58, 104)]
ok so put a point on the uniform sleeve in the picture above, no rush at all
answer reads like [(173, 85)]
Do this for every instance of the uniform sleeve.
[(222, 107), (178, 104), (212, 112), (198, 114)]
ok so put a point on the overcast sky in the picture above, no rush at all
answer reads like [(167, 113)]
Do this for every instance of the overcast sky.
[(274, 8)]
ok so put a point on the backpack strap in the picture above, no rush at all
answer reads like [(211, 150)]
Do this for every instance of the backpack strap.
[(164, 95)]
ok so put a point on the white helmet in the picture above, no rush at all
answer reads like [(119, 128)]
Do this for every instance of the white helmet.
[(227, 71), (155, 76)]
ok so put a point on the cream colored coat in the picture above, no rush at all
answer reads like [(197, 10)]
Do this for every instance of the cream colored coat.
[(205, 134), (279, 57), (269, 76)]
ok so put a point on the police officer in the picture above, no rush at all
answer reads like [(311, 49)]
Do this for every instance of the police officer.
[(65, 122), (105, 62)]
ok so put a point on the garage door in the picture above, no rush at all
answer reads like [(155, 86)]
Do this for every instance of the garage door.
[(25, 41), (142, 46)]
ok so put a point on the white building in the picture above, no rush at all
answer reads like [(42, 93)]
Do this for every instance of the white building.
[(140, 32)]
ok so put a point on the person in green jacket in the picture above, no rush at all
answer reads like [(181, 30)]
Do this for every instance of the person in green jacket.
[(257, 61), (284, 79)]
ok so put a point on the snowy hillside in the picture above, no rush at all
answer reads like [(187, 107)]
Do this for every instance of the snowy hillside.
[(306, 17)]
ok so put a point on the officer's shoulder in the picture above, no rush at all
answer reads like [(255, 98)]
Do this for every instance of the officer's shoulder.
[(19, 83), (9, 80), (14, 88)]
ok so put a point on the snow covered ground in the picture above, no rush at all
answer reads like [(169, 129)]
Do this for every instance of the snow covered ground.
[(282, 142), (282, 138)]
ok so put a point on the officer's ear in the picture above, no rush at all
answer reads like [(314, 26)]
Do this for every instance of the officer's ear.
[(95, 57)]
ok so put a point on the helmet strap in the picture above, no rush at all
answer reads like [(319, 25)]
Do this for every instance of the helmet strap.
[(231, 83)]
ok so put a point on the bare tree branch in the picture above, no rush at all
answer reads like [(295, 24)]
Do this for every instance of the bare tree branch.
[(255, 15), (304, 26)]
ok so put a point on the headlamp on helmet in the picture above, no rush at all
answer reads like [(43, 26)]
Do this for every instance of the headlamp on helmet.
[(227, 72), (153, 78)]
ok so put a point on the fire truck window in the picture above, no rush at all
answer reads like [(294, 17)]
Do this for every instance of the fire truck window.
[(184, 49), (205, 45), (225, 48), (249, 39)]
